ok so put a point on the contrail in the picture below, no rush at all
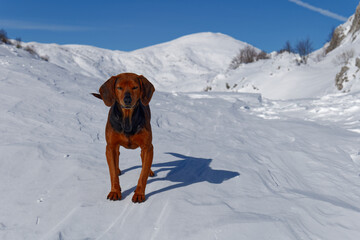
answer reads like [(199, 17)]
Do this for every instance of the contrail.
[(13, 24), (320, 10)]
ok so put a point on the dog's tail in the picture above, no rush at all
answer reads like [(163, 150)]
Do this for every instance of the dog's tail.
[(97, 95)]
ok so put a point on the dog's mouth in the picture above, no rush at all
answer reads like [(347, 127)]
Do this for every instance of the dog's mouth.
[(128, 106)]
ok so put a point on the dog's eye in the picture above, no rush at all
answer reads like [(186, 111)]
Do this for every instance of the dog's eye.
[(135, 88), (120, 88)]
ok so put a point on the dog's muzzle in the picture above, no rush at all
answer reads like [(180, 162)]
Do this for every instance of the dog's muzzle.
[(127, 98), (127, 101)]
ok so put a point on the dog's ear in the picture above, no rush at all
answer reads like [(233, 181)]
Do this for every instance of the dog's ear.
[(107, 92), (147, 90)]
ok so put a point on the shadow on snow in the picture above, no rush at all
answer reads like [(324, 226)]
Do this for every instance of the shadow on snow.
[(184, 172)]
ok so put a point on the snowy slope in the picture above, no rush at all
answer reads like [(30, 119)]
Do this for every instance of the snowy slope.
[(196, 59), (282, 77), (228, 165), (201, 61)]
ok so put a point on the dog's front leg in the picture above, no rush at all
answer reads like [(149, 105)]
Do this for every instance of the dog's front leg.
[(118, 171), (147, 153), (111, 155)]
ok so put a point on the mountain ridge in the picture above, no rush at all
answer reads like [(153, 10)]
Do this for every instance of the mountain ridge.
[(162, 63), (200, 62)]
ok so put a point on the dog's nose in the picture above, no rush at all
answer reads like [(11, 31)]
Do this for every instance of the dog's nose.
[(127, 98)]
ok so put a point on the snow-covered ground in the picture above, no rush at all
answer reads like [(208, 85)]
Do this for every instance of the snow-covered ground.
[(228, 164)]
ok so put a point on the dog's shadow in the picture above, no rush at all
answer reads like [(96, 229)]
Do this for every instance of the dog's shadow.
[(184, 172)]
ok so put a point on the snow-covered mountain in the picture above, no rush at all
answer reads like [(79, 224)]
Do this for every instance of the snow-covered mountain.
[(201, 61), (229, 164), (185, 64), (331, 69)]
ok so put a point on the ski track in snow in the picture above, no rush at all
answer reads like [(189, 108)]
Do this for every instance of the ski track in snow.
[(228, 165)]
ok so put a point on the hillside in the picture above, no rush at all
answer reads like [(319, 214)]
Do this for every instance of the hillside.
[(229, 164), (201, 61), (195, 59), (331, 69)]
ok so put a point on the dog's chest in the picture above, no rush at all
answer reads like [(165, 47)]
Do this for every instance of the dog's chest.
[(127, 142), (125, 125)]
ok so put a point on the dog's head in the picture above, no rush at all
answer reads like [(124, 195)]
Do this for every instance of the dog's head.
[(126, 89)]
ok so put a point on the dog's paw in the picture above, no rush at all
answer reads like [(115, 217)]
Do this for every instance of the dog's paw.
[(138, 198), (114, 196), (118, 172), (151, 174)]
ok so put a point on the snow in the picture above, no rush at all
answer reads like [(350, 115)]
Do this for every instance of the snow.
[(273, 163), (187, 57)]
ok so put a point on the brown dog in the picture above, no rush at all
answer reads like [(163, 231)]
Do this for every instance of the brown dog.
[(128, 125)]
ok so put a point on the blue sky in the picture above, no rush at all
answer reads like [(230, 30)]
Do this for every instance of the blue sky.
[(129, 25)]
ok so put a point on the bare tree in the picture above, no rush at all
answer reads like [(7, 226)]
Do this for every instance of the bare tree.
[(304, 48), (235, 62), (3, 36), (18, 42), (262, 55), (287, 48), (247, 54), (344, 57)]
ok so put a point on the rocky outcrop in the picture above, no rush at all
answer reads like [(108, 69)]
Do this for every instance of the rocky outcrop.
[(341, 77), (355, 26), (337, 37), (357, 62), (339, 33)]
